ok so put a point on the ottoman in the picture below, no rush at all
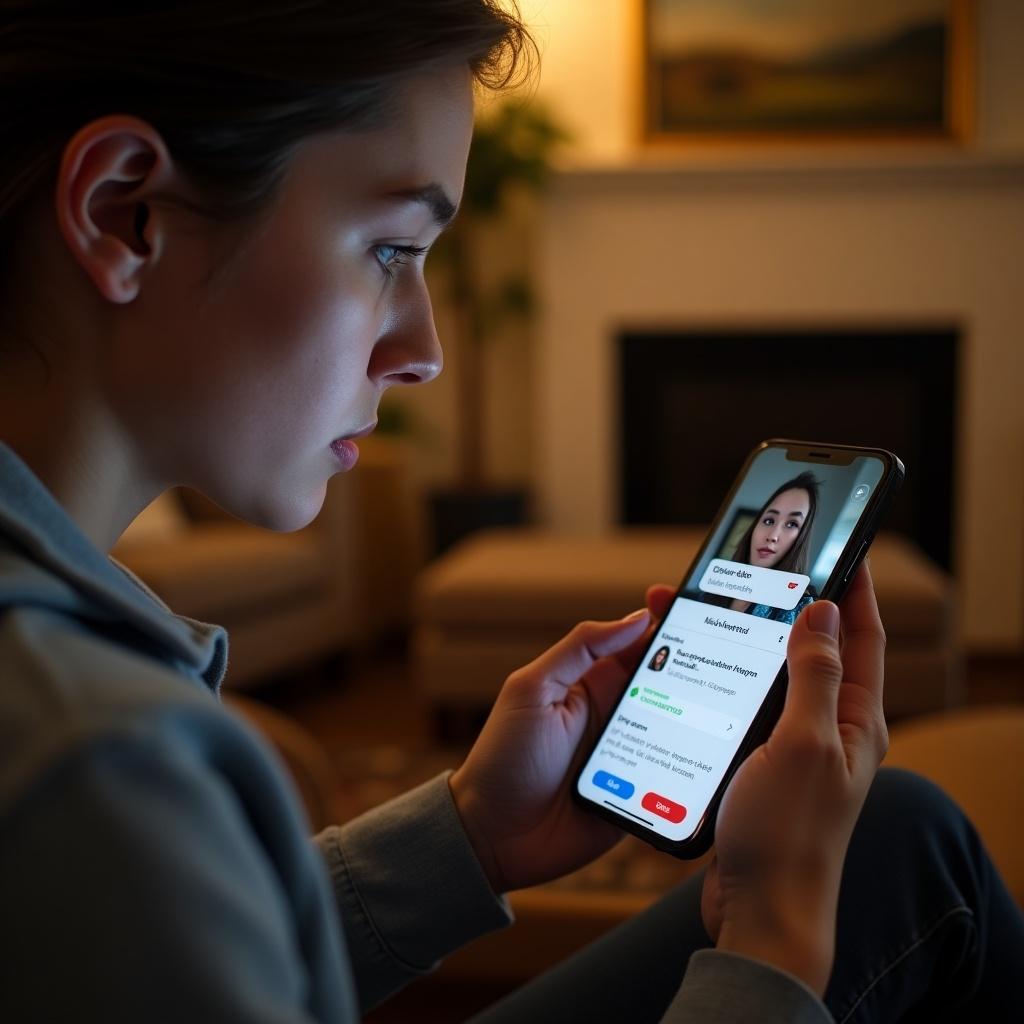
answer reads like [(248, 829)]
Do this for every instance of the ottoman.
[(494, 602)]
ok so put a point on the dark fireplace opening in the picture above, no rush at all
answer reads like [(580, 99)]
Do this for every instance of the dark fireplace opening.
[(694, 403)]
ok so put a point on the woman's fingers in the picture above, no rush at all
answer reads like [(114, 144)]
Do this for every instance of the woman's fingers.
[(659, 600), (815, 672), (831, 686), (624, 640), (564, 664), (604, 683), (580, 653), (608, 676), (863, 635)]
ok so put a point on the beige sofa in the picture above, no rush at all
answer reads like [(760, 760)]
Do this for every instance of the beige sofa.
[(288, 600), (500, 598)]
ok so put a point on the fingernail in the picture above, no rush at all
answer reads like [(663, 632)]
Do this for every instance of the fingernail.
[(823, 617), (640, 613)]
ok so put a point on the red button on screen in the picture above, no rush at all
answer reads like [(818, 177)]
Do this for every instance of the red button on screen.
[(664, 807)]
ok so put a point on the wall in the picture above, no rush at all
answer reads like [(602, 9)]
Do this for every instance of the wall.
[(713, 239), (589, 75), (914, 236)]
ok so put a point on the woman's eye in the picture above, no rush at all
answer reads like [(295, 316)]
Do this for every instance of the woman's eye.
[(768, 521), (391, 257), (793, 524)]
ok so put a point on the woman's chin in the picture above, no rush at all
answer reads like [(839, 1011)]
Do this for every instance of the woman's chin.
[(282, 513)]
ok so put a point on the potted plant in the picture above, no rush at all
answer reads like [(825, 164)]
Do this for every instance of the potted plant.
[(512, 151)]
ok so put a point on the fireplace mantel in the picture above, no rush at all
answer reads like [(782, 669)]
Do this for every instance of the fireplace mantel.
[(890, 238), (946, 166)]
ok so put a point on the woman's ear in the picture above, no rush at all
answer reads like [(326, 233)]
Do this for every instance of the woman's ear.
[(110, 171)]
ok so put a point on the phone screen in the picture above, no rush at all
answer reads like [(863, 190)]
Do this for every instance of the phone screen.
[(710, 666)]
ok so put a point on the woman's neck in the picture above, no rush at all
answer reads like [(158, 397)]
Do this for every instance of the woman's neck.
[(77, 454)]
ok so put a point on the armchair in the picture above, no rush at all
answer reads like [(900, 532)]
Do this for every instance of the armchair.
[(287, 600)]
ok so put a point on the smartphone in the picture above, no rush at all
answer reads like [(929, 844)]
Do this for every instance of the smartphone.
[(710, 686)]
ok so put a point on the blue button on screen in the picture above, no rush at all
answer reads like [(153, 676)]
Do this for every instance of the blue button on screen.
[(620, 787)]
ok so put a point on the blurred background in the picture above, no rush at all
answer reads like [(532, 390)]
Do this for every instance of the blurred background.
[(702, 225)]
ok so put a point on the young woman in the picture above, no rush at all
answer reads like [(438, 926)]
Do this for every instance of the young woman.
[(779, 538), (213, 220)]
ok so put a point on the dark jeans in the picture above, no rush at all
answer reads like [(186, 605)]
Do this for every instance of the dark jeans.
[(926, 931)]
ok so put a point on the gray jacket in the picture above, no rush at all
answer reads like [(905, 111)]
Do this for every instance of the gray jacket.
[(154, 859)]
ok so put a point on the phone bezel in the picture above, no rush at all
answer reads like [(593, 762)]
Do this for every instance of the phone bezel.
[(702, 838)]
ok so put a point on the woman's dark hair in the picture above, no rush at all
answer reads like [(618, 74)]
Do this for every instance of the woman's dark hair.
[(233, 86), (795, 559)]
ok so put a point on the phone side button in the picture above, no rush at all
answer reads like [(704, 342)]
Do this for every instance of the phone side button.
[(856, 562), (620, 787), (664, 807)]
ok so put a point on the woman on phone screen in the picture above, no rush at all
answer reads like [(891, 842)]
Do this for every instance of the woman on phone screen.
[(213, 223), (779, 538)]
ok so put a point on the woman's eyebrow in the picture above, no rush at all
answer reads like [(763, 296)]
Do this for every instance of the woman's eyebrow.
[(434, 198), (797, 512)]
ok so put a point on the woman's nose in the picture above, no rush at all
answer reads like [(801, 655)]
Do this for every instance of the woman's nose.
[(414, 368), (410, 351)]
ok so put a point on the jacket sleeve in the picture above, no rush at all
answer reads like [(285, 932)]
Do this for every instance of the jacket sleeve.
[(409, 888), (138, 883), (726, 988), (410, 891)]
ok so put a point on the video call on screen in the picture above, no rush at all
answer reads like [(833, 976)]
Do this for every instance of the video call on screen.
[(710, 666)]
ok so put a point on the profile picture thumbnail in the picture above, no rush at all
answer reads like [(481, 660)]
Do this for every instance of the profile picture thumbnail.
[(657, 663)]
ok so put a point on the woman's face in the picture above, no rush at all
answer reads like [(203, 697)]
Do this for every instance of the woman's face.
[(779, 527), (247, 353)]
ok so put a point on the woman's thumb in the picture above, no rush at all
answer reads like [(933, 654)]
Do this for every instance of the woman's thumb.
[(815, 666), (575, 653)]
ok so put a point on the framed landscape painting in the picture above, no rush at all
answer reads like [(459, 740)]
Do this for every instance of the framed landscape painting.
[(726, 70)]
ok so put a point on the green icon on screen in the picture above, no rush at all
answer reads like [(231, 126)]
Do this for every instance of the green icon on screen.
[(634, 691)]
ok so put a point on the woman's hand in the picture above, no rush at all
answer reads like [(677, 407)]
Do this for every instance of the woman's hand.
[(786, 818), (513, 792)]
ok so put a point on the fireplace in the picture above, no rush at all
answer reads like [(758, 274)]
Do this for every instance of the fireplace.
[(921, 250), (693, 404)]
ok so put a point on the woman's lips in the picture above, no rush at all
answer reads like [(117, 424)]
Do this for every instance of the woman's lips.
[(346, 451), (765, 552)]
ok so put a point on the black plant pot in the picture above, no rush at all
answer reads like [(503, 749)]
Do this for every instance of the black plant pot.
[(457, 513)]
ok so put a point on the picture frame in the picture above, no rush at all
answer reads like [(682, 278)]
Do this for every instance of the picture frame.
[(808, 71)]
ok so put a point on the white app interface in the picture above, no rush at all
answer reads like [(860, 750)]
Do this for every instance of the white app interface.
[(711, 664)]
